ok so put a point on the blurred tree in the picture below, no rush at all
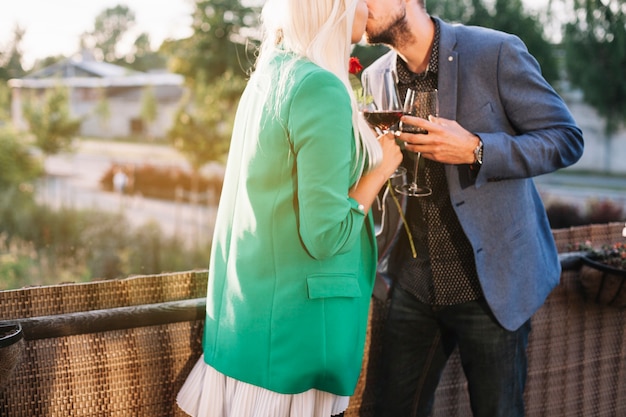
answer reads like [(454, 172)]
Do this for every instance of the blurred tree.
[(5, 103), (11, 59), (18, 164), (368, 53), (508, 16), (141, 57), (46, 62), (110, 26), (595, 55), (149, 109), (214, 62), (10, 67), (218, 43), (50, 121), (203, 124), (103, 108)]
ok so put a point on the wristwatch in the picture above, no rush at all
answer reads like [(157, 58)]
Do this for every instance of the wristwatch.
[(478, 153)]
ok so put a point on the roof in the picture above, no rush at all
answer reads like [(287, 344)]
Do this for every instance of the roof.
[(73, 72), (70, 67)]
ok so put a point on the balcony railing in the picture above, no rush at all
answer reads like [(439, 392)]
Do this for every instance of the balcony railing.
[(124, 348)]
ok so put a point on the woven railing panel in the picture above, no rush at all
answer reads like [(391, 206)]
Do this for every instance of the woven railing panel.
[(598, 234), (134, 372), (70, 298), (123, 373), (577, 352)]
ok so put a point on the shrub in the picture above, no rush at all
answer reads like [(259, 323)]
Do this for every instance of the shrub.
[(17, 164), (563, 215), (604, 211), (45, 246), (161, 181)]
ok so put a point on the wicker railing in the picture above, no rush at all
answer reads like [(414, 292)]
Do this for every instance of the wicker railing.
[(124, 348)]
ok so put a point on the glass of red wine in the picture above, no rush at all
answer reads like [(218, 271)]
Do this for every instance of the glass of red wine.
[(421, 104), (379, 103)]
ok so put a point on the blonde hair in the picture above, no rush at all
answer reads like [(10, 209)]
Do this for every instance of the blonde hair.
[(320, 31)]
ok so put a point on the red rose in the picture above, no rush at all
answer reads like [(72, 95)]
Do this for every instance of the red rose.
[(354, 66)]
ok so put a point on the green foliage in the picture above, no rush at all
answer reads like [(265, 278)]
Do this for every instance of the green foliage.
[(41, 246), (142, 57), (11, 60), (103, 108), (595, 53), (50, 121), (5, 103), (368, 53), (217, 44), (505, 15), (16, 206), (203, 124), (109, 28), (18, 164), (149, 106), (15, 266)]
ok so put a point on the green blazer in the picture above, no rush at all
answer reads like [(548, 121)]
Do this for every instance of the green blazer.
[(293, 257)]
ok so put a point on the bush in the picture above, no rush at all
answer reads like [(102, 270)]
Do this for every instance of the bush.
[(160, 182), (41, 246), (604, 211), (563, 215), (17, 164)]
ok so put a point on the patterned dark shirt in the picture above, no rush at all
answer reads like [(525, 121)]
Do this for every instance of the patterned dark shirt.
[(444, 272)]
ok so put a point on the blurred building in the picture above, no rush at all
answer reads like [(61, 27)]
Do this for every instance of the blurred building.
[(603, 153), (108, 98)]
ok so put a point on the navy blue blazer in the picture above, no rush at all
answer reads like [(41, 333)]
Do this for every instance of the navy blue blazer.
[(493, 87)]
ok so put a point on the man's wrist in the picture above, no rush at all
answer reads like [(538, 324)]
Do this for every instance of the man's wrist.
[(478, 153)]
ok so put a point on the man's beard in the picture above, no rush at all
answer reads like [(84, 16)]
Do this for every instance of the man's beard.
[(393, 35)]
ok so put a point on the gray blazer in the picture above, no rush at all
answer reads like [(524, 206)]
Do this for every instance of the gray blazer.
[(492, 86)]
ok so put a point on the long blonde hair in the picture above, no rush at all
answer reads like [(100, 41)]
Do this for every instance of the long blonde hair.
[(320, 31)]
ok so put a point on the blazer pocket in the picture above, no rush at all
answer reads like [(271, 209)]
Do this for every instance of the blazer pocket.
[(333, 285)]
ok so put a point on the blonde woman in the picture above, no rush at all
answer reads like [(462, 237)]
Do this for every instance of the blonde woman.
[(293, 258)]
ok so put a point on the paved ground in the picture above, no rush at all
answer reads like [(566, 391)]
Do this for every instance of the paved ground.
[(74, 182), (582, 188)]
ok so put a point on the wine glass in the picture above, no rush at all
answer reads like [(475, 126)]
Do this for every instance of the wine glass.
[(421, 104), (379, 103)]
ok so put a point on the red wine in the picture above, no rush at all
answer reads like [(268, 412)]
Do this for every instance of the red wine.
[(382, 119)]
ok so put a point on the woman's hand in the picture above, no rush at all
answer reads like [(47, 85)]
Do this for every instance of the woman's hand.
[(392, 154), (366, 190)]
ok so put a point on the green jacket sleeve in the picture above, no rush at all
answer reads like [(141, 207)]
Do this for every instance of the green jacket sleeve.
[(320, 129)]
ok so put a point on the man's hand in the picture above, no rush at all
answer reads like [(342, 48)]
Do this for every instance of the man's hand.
[(446, 142)]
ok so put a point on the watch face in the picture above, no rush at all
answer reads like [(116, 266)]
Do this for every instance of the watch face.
[(478, 153)]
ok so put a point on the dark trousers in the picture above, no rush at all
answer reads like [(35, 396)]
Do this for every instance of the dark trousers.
[(418, 341)]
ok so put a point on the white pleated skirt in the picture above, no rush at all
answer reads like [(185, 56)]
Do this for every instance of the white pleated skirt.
[(209, 393)]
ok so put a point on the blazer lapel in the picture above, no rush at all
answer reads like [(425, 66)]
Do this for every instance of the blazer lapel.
[(459, 176), (448, 71)]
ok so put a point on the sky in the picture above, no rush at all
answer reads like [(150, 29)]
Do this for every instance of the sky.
[(53, 27)]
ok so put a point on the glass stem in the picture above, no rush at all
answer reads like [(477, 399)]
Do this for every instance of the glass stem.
[(418, 155)]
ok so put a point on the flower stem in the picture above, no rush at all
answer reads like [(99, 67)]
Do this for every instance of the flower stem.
[(404, 222)]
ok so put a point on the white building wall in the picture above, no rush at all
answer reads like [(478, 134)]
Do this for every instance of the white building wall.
[(601, 154)]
